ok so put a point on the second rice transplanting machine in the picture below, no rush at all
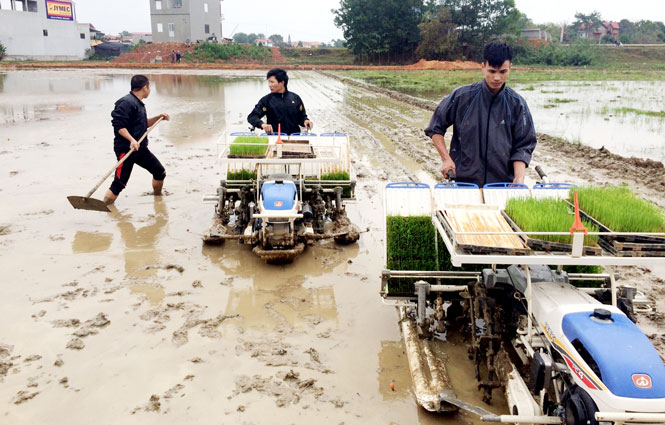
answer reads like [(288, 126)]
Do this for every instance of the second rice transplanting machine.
[(562, 345), (280, 192)]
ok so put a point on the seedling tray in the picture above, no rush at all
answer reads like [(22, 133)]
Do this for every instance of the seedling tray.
[(635, 239), (495, 225), (549, 246), (610, 247)]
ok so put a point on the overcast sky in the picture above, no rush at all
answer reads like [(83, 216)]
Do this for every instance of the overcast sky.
[(312, 20)]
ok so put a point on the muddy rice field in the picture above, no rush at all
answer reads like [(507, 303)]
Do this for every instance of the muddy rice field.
[(127, 318)]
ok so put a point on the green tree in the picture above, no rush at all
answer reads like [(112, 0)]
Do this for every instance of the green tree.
[(439, 38), (3, 51), (380, 30), (586, 23), (277, 39), (649, 32), (627, 31), (251, 37), (479, 21), (240, 37), (338, 43), (125, 33)]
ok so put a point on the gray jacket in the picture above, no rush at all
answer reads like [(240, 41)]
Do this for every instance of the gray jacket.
[(489, 133)]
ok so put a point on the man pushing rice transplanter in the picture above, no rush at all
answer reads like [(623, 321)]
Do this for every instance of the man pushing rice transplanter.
[(493, 132)]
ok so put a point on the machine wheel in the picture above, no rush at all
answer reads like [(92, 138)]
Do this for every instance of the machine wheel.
[(579, 407)]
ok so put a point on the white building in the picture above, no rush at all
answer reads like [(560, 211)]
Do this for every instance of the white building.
[(42, 30)]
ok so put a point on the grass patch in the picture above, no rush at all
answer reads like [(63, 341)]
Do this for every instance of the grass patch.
[(211, 52), (619, 209), (435, 83), (249, 146), (333, 56), (241, 175), (624, 111), (551, 91), (546, 215)]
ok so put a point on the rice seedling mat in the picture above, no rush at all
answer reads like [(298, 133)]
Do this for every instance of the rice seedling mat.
[(248, 147), (619, 209), (634, 239), (482, 218), (549, 246)]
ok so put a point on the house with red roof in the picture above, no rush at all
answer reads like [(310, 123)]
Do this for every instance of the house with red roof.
[(596, 33)]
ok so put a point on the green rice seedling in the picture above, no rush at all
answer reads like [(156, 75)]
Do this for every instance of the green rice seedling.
[(412, 245), (336, 175), (241, 175), (339, 175), (546, 215), (619, 209), (249, 146)]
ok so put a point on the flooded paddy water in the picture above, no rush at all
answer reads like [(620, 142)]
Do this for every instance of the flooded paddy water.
[(128, 318), (625, 117)]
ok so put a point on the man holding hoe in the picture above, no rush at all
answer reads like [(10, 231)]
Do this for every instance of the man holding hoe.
[(130, 122)]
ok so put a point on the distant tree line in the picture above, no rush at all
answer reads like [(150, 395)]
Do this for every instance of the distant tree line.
[(641, 32), (403, 30), (389, 31), (278, 40)]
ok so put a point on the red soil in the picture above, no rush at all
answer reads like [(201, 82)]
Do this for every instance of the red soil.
[(147, 53)]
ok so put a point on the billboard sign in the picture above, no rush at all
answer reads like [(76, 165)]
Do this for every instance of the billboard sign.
[(61, 10)]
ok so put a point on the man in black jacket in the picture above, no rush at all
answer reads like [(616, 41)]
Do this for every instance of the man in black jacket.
[(281, 107), (493, 132), (130, 121)]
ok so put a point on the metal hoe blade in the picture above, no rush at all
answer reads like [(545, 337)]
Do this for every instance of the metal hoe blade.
[(92, 204)]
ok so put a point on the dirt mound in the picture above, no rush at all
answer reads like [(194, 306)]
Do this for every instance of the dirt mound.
[(149, 52), (443, 65)]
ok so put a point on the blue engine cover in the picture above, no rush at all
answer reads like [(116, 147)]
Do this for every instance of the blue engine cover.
[(278, 196), (623, 354)]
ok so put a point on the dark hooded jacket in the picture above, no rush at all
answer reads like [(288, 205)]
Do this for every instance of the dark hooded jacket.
[(129, 113), (285, 108), (489, 132)]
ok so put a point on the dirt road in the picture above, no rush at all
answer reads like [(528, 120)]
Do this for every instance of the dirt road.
[(127, 318)]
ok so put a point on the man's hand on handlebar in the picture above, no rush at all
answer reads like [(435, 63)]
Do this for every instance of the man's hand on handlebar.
[(267, 128)]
